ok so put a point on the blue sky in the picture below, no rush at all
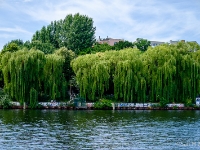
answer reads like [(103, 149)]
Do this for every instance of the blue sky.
[(160, 20)]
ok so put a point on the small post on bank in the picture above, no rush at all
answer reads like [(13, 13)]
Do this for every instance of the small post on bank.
[(24, 105)]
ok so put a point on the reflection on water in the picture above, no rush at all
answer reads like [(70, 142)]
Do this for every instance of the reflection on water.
[(125, 129)]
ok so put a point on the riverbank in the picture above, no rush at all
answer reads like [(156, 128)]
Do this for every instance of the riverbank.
[(111, 106), (106, 108)]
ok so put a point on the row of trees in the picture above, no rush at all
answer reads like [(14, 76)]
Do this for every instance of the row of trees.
[(75, 32), (48, 48), (165, 73), (41, 69)]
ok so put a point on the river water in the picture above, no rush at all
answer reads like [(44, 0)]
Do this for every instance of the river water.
[(99, 129)]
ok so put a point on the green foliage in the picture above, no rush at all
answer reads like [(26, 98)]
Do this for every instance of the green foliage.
[(39, 44), (103, 103), (96, 48), (54, 80), (76, 32), (175, 107), (68, 56), (188, 102), (105, 47), (22, 71), (93, 73), (47, 48), (142, 44), (1, 74), (33, 98), (27, 45), (29, 74), (5, 100), (122, 44), (11, 47), (163, 102), (170, 71), (79, 32)]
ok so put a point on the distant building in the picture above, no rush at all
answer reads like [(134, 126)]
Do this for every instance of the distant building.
[(156, 43), (174, 42), (109, 41)]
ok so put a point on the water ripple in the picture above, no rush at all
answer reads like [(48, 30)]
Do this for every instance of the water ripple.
[(53, 129)]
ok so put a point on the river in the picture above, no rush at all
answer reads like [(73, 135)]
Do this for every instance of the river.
[(99, 129)]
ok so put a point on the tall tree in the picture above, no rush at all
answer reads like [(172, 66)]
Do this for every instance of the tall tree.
[(79, 32), (76, 32), (30, 74), (142, 44)]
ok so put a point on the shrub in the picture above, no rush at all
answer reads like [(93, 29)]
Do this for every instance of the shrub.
[(175, 107), (5, 101), (103, 103), (188, 102), (163, 102)]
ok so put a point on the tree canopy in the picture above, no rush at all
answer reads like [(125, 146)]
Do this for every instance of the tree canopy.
[(10, 47), (169, 72), (142, 44), (76, 32), (31, 74), (132, 72), (123, 44)]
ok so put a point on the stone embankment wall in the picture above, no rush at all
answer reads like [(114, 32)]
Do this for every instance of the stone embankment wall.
[(54, 104)]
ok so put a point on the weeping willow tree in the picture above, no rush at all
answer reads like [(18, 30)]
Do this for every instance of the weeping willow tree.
[(172, 73), (28, 74), (92, 77), (160, 67), (94, 71), (129, 78), (54, 81), (187, 77), (23, 72), (169, 72)]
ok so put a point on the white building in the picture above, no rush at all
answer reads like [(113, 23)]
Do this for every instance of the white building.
[(156, 43)]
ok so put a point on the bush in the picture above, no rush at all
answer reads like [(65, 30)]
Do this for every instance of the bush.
[(5, 101), (188, 102), (163, 102), (103, 103)]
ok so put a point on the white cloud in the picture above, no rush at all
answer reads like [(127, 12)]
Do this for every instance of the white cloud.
[(14, 30), (6, 36), (153, 19)]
